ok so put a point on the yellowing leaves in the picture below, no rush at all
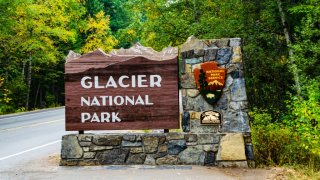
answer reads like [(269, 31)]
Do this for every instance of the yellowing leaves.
[(151, 36), (99, 34), (283, 59), (3, 92), (131, 32), (42, 25), (1, 81)]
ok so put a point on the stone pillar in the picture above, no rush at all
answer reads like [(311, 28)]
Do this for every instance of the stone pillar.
[(232, 104)]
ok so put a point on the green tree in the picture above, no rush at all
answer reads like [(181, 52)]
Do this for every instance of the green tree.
[(304, 116), (159, 23), (119, 17), (268, 79), (4, 99), (98, 34), (7, 11), (306, 44), (41, 26)]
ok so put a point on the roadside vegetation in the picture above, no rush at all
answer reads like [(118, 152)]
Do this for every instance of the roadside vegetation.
[(281, 54)]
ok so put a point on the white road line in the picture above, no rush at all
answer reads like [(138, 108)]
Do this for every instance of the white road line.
[(24, 115), (32, 149), (30, 125)]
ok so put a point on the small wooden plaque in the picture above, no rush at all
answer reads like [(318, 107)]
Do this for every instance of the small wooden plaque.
[(211, 118)]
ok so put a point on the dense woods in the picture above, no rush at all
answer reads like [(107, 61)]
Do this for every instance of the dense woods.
[(281, 49)]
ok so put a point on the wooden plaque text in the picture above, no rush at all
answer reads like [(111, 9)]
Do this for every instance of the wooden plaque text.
[(119, 92)]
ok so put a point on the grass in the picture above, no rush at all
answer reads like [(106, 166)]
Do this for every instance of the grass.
[(299, 172)]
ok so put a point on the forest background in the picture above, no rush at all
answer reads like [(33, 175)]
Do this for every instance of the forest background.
[(281, 54)]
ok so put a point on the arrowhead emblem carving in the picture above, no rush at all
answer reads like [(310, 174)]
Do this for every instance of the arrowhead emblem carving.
[(210, 80)]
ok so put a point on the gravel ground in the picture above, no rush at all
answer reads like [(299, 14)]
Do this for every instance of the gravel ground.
[(48, 168)]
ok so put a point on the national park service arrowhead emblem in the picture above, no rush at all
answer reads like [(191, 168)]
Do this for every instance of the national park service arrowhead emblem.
[(210, 80)]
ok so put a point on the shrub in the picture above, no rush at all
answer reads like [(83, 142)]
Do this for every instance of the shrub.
[(278, 143), (304, 118)]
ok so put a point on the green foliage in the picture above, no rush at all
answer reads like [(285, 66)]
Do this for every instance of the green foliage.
[(305, 118), (99, 34), (307, 39), (4, 97), (41, 25), (4, 92), (36, 31), (18, 89), (21, 109), (36, 35), (268, 79), (160, 23), (279, 144), (118, 14)]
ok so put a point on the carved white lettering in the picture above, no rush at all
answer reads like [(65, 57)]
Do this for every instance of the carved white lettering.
[(85, 117), (139, 101), (115, 117), (155, 80), (84, 84), (85, 101), (121, 81), (103, 117), (140, 81), (147, 101), (116, 100), (96, 83), (111, 83)]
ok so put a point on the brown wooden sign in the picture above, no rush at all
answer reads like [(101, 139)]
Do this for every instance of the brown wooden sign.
[(121, 92)]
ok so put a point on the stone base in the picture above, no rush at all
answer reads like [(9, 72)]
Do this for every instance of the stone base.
[(147, 149), (232, 148), (241, 164)]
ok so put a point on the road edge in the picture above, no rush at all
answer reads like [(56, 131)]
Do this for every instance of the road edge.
[(30, 112)]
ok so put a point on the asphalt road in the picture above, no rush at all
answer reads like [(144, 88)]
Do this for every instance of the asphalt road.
[(24, 136), (30, 146)]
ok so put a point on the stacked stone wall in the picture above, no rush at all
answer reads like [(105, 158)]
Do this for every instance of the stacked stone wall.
[(148, 149)]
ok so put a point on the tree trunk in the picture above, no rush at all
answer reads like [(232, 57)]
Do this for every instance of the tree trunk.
[(29, 82), (35, 99), (293, 66), (40, 98), (23, 67), (6, 70), (194, 11)]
